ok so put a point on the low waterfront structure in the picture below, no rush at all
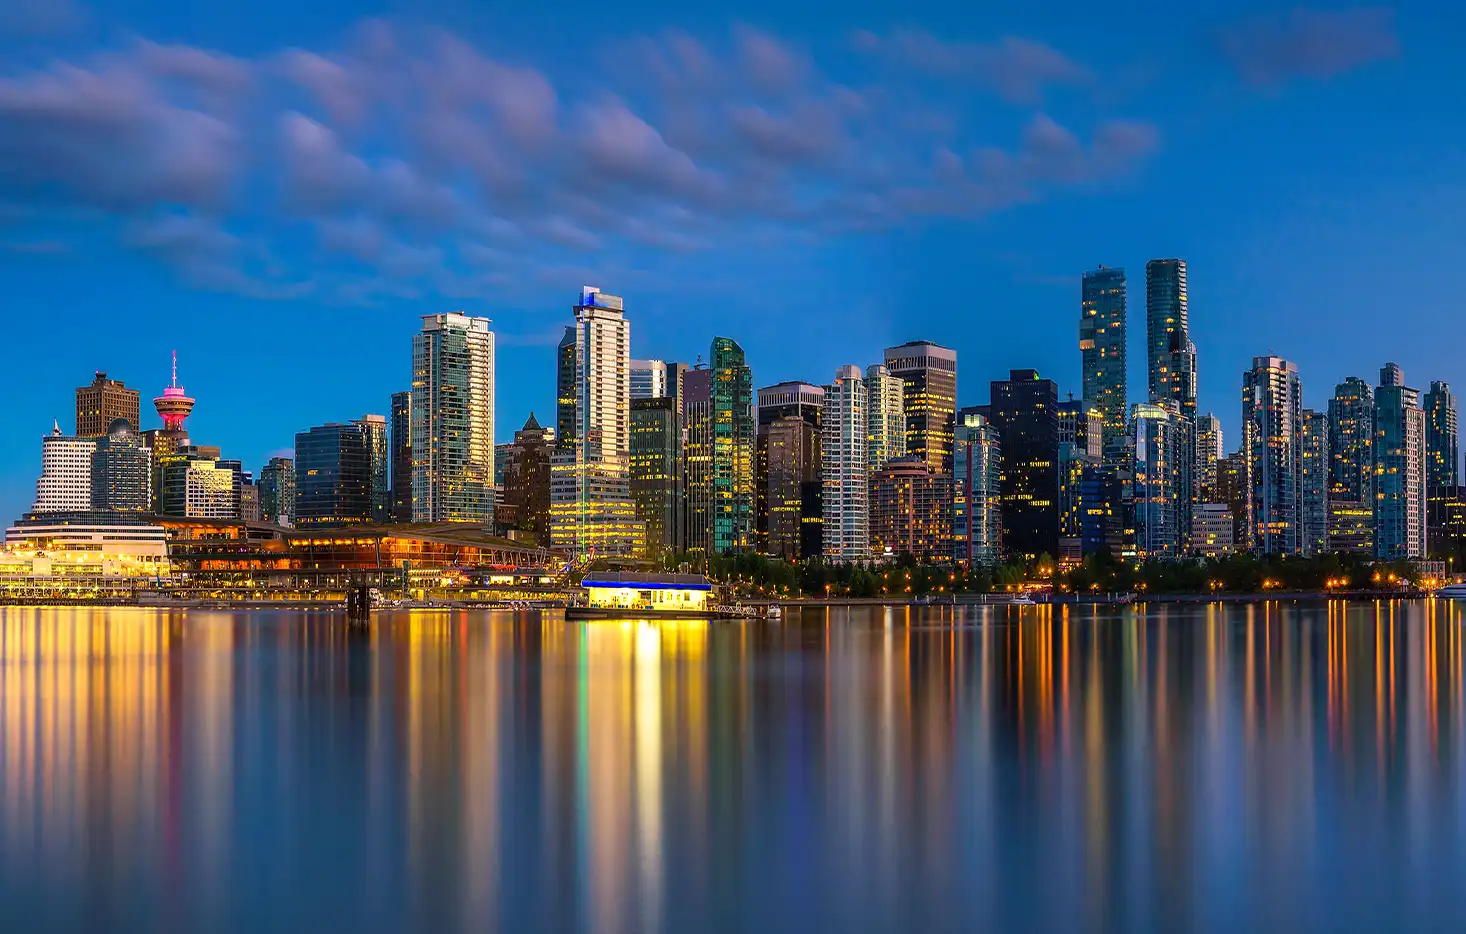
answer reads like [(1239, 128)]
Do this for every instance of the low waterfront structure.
[(654, 592)]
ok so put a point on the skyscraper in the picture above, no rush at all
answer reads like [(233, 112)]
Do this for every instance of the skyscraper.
[(591, 510), (977, 509), (846, 468), (656, 488), (1160, 435), (930, 374), (1400, 468), (1443, 458), (1351, 467), (1024, 410), (1083, 504), (649, 379), (1314, 528), (1272, 444), (65, 483), (909, 510), (277, 491), (452, 420), (374, 435), (1102, 347), (1170, 355), (333, 483), (102, 403), (1232, 476), (1209, 450), (788, 507), (122, 471), (401, 456), (733, 447), (885, 412), (525, 500)]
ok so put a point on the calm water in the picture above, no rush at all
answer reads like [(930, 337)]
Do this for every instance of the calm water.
[(1241, 768)]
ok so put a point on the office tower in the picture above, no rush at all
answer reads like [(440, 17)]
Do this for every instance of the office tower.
[(1442, 456), (102, 403), (790, 495), (977, 508), (1082, 425), (401, 456), (930, 373), (1314, 528), (733, 448), (1272, 440), (787, 472), (1208, 455), (250, 508), (1102, 348), (1233, 493), (196, 486), (1083, 503), (591, 510), (910, 511), (845, 468), (1160, 435), (333, 476), (1400, 468), (697, 460), (65, 483), (885, 412), (649, 379), (525, 498), (1212, 530), (122, 471), (656, 488), (452, 422), (1024, 410), (277, 491), (374, 435), (1170, 355), (1351, 468)]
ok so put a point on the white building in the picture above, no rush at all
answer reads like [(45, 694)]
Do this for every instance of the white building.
[(1212, 530), (977, 496), (591, 509), (845, 471), (452, 421), (885, 413), (648, 379), (65, 484)]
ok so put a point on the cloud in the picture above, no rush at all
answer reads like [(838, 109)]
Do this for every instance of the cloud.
[(29, 19), (404, 161), (1017, 69), (1318, 44)]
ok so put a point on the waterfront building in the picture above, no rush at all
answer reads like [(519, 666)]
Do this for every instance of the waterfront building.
[(277, 492), (1212, 530), (65, 551), (1209, 453), (374, 435), (1233, 493), (65, 483), (1314, 518), (591, 509), (452, 421), (104, 401), (787, 472), (977, 507), (1083, 505), (631, 590), (1102, 345), (1351, 527), (790, 494), (525, 500), (1024, 410), (656, 475), (1170, 354), (122, 471), (845, 467), (401, 456), (1082, 425), (885, 413), (649, 379), (333, 481), (734, 439), (1351, 467), (697, 459), (1399, 468), (1272, 440), (930, 374), (910, 511), (1443, 459), (196, 486), (1160, 436)]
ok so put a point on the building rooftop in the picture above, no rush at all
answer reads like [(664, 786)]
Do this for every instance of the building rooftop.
[(636, 578)]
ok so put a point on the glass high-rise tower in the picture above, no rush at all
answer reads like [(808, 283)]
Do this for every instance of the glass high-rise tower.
[(1272, 450), (846, 467), (930, 374), (1170, 355), (452, 420), (1399, 467), (1102, 348), (1442, 457)]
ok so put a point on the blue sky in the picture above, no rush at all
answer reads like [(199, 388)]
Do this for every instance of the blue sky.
[(279, 190)]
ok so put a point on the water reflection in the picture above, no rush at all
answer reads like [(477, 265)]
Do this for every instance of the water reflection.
[(1261, 766)]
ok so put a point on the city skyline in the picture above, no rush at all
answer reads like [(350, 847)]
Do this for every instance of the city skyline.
[(1274, 247)]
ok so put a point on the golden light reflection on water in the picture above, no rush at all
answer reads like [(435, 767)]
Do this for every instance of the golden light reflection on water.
[(877, 768)]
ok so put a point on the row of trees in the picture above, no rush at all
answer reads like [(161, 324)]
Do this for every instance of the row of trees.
[(758, 575)]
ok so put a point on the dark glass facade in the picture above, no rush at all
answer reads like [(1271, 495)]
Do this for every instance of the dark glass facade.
[(930, 374), (333, 477), (1170, 355), (1102, 348), (1024, 410), (1442, 463), (277, 491), (122, 472), (733, 448), (656, 474), (401, 456), (791, 502)]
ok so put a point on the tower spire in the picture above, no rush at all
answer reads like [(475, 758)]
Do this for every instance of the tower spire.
[(175, 368)]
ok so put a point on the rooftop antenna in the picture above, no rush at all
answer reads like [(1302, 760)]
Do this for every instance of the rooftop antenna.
[(175, 367)]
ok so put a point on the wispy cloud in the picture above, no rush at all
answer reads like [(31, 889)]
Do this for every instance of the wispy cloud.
[(1270, 50)]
